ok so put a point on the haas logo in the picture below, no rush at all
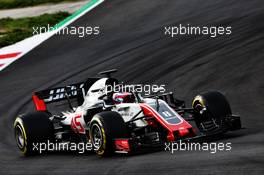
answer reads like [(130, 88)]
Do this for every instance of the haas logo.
[(57, 94), (76, 125)]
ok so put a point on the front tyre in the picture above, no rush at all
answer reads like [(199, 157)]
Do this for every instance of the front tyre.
[(31, 129), (212, 109), (105, 127)]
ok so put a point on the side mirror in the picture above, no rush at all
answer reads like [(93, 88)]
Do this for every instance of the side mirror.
[(159, 89)]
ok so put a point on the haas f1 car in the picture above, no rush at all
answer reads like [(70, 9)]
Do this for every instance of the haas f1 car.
[(121, 121)]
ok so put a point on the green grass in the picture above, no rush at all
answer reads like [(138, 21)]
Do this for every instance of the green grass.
[(14, 30), (8, 4)]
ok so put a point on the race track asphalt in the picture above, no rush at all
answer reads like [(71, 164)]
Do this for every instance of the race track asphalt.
[(132, 40)]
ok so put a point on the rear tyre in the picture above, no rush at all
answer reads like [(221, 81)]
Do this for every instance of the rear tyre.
[(104, 128), (212, 109), (32, 129)]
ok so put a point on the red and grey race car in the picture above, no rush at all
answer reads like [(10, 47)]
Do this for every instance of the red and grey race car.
[(122, 120)]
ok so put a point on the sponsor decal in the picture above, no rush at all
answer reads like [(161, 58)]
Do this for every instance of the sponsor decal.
[(60, 93)]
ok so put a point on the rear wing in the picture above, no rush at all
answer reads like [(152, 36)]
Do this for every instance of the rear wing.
[(77, 90)]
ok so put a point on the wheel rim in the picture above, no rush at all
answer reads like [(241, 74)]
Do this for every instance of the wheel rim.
[(207, 122), (97, 136), (20, 137)]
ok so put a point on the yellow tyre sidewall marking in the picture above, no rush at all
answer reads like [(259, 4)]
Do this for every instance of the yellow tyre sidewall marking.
[(200, 99), (102, 149), (19, 122)]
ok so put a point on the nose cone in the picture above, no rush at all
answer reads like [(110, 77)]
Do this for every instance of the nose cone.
[(183, 131)]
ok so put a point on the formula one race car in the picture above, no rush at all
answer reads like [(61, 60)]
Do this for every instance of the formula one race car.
[(120, 120)]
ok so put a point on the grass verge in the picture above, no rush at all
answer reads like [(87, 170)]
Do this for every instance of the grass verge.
[(8, 4), (14, 30)]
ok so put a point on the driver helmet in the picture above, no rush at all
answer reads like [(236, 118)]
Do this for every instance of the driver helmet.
[(123, 97)]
